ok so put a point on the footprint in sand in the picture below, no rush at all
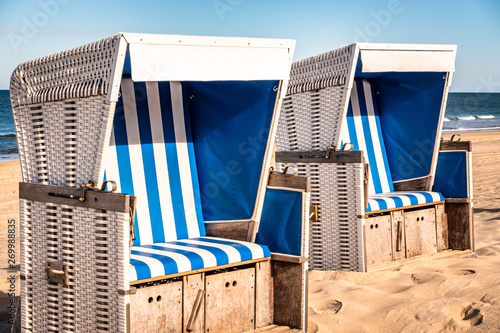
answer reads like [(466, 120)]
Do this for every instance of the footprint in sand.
[(464, 314), (327, 306), (472, 314), (422, 277), (492, 299), (457, 271)]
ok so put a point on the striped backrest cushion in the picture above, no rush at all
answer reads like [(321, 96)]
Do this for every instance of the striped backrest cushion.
[(362, 128), (151, 156)]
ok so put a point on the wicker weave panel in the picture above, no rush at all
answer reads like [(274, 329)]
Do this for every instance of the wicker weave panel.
[(93, 244), (70, 152), (336, 240), (75, 73), (321, 71), (312, 120)]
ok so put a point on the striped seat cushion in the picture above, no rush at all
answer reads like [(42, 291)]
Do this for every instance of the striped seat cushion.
[(362, 128), (151, 156), (150, 261), (383, 201)]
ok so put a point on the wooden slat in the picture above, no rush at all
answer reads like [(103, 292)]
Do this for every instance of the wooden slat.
[(240, 230), (202, 270), (288, 285), (319, 156), (441, 228), (289, 181), (457, 200), (412, 185), (264, 300), (456, 145), (192, 284), (93, 199), (459, 225), (288, 258)]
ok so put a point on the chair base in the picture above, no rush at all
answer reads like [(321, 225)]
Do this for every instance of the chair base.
[(414, 231), (244, 298)]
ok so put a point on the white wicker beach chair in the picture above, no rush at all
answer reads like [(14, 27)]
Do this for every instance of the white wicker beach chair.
[(146, 163), (383, 200)]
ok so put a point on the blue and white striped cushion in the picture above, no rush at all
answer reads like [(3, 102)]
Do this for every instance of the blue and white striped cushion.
[(398, 199), (362, 128), (151, 156), (150, 261)]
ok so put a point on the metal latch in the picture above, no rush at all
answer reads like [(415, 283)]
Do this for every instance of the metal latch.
[(91, 186), (313, 213), (57, 273)]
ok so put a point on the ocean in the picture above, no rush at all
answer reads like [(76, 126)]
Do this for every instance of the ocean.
[(464, 112)]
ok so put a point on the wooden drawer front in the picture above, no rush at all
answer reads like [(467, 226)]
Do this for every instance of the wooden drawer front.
[(420, 227), (157, 308), (378, 239), (230, 301)]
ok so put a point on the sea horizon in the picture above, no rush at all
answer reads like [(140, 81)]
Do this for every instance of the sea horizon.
[(465, 112)]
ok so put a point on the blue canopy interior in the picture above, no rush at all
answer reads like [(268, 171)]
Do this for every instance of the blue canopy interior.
[(451, 174), (281, 223), (230, 125), (409, 106)]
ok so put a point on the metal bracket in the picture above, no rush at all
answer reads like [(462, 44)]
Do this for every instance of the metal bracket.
[(57, 273), (131, 291)]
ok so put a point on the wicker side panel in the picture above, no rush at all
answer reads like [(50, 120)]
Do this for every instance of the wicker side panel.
[(60, 143), (312, 120), (75, 73), (324, 70), (336, 240), (287, 130), (93, 244)]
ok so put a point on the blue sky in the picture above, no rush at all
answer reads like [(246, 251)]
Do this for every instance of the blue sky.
[(30, 29)]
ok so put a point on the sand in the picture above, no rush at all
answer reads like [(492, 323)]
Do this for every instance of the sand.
[(428, 294), (10, 176), (431, 293)]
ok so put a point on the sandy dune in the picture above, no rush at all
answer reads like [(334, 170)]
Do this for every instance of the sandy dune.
[(441, 293)]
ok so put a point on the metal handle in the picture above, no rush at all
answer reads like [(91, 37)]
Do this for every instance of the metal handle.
[(57, 273), (399, 238)]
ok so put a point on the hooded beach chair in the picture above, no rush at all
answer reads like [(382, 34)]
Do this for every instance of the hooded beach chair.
[(364, 123), (148, 203)]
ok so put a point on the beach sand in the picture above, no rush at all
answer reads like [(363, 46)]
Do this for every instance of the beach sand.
[(430, 293), (427, 294)]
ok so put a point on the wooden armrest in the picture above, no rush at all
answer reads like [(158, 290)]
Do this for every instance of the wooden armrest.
[(457, 200), (289, 181), (456, 145), (334, 156), (288, 258), (75, 196)]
